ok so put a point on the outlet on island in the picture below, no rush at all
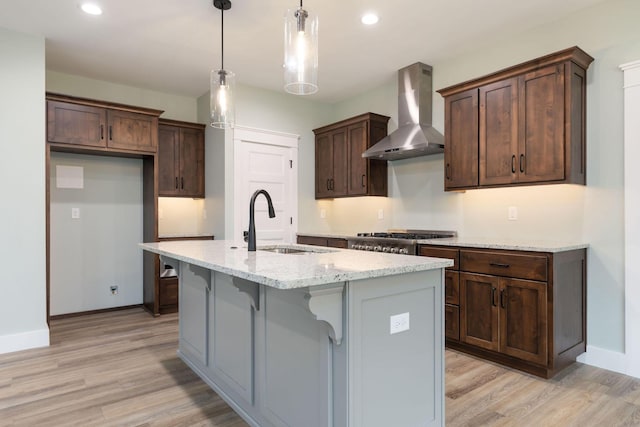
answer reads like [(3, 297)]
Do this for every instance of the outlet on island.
[(113, 289), (399, 323)]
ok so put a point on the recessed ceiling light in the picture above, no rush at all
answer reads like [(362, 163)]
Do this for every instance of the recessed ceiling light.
[(91, 8), (369, 18)]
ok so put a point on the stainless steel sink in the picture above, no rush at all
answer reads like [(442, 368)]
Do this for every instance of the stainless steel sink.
[(281, 250), (294, 250)]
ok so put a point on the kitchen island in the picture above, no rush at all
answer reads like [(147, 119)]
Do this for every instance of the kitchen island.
[(319, 337)]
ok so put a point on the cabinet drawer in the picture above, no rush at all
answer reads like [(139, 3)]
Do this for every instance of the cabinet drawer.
[(508, 264), (452, 287), (312, 240), (336, 243), (453, 254), (451, 322)]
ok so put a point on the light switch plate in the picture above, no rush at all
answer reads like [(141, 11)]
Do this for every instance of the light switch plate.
[(512, 213), (75, 213)]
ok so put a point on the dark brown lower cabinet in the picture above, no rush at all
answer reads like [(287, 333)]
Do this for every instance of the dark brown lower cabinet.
[(168, 295), (526, 310), (332, 242), (505, 315)]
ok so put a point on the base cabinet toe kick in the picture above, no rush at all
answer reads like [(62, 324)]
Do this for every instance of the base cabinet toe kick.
[(361, 353)]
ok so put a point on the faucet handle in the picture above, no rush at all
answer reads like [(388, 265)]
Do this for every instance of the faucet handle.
[(245, 236)]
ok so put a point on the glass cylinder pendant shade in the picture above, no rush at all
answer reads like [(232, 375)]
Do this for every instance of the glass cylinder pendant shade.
[(300, 52), (223, 112)]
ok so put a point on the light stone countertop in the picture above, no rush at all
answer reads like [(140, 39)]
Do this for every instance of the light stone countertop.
[(289, 271), (532, 245), (509, 244)]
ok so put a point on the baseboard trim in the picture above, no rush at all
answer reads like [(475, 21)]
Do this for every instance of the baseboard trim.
[(84, 313), (24, 341), (605, 359)]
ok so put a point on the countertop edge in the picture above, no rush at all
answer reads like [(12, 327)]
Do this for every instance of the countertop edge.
[(432, 264)]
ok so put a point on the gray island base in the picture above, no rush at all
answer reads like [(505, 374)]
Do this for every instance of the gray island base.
[(361, 346)]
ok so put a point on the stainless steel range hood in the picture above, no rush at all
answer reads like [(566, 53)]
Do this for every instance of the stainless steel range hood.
[(415, 136)]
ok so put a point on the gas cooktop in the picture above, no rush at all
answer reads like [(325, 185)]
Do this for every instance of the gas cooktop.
[(410, 234)]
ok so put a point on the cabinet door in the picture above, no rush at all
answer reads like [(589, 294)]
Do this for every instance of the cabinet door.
[(499, 132), (76, 124), (452, 287), (461, 140), (340, 163), (479, 310), (132, 131), (191, 163), (324, 165), (452, 322), (357, 136), (542, 108), (523, 319), (168, 155)]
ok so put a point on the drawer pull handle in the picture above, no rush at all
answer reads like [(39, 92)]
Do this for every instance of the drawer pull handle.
[(493, 297), (101, 131), (500, 265), (513, 164)]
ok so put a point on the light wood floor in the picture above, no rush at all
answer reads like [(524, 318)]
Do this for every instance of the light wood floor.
[(121, 369)]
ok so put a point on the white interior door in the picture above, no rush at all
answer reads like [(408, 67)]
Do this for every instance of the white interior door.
[(266, 160)]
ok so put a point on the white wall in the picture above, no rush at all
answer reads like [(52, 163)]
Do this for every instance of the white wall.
[(22, 225), (175, 107), (100, 248), (262, 109), (592, 213)]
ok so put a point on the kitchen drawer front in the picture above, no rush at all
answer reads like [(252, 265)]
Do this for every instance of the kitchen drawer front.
[(333, 242), (452, 287), (507, 264), (437, 252), (452, 322), (312, 240)]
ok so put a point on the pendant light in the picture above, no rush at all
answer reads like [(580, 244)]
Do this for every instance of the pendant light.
[(222, 82), (300, 52)]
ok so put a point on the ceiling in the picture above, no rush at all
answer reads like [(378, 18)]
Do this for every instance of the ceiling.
[(172, 45)]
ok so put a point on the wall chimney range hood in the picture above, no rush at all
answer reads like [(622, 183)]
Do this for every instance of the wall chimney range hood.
[(415, 136)]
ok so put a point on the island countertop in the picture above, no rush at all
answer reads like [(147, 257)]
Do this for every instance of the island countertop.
[(289, 271)]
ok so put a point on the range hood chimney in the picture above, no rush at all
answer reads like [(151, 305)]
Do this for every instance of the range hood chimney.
[(415, 136)]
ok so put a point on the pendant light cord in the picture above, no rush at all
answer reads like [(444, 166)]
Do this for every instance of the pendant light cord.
[(222, 36)]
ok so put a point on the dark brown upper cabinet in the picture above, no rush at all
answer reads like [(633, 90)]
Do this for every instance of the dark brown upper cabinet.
[(523, 125), (102, 126), (341, 171), (180, 159)]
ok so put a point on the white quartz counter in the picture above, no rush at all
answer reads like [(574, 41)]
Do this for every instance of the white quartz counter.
[(510, 244), (532, 245), (288, 271)]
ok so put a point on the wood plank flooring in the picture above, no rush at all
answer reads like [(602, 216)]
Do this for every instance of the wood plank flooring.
[(121, 369)]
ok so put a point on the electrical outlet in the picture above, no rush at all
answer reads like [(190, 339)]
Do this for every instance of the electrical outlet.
[(323, 213), (380, 213), (114, 289), (204, 214), (398, 323), (512, 214), (75, 213)]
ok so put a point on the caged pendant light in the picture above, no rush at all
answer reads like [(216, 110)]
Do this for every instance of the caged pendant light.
[(300, 52), (222, 82)]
